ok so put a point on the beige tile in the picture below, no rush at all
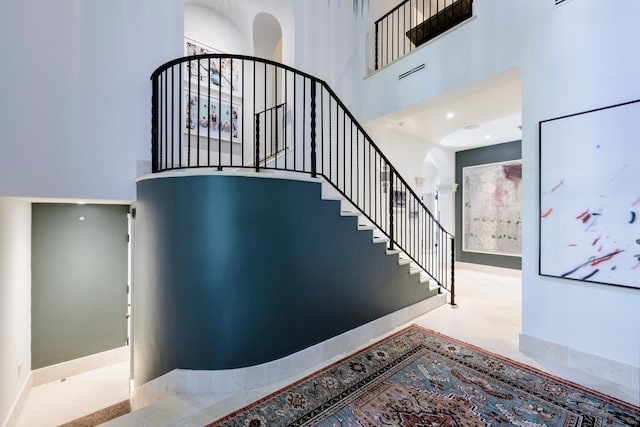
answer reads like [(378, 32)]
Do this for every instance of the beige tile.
[(488, 315), (57, 402)]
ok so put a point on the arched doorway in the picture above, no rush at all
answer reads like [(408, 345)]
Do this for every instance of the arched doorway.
[(267, 37)]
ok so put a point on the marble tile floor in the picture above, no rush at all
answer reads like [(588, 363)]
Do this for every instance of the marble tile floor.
[(488, 315), (58, 402)]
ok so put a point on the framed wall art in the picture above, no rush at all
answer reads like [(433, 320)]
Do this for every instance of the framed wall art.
[(215, 72), (491, 208), (589, 199), (210, 117)]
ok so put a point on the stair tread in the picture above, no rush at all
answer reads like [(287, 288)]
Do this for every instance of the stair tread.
[(348, 210), (332, 197)]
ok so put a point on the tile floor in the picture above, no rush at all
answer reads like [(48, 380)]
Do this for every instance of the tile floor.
[(58, 402), (487, 315)]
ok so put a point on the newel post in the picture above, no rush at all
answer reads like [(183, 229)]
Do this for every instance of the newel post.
[(154, 124), (257, 150), (391, 201), (313, 129), (453, 271)]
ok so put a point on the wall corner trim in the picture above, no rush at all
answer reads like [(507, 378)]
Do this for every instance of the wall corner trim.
[(21, 400), (79, 365), (620, 375)]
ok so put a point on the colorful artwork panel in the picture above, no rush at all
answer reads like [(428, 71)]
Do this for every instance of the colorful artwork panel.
[(210, 117), (589, 196), (491, 210), (221, 72)]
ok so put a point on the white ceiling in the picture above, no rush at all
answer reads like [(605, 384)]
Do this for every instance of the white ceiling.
[(484, 113)]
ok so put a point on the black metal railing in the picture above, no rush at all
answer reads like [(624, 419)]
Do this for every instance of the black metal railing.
[(272, 132), (414, 22), (232, 112)]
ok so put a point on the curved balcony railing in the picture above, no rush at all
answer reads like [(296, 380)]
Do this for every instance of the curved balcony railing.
[(231, 112), (414, 22)]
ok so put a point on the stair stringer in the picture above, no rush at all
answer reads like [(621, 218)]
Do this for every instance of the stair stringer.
[(378, 237)]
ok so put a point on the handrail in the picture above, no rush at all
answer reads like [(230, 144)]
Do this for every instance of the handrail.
[(275, 149), (413, 22), (211, 111)]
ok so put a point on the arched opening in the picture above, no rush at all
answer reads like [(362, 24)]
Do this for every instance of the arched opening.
[(267, 37), (267, 44), (439, 188)]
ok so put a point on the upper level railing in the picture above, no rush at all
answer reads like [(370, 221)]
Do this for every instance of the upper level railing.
[(232, 112), (414, 22)]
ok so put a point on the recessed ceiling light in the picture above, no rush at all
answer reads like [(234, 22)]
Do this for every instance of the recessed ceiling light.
[(82, 218), (450, 115), (487, 136)]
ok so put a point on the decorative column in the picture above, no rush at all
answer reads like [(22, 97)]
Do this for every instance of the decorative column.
[(427, 198), (447, 206)]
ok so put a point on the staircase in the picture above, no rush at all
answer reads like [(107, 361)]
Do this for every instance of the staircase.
[(253, 271), (264, 115), (378, 237)]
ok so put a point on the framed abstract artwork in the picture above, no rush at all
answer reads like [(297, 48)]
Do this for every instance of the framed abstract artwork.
[(215, 72), (211, 117), (491, 208), (589, 199)]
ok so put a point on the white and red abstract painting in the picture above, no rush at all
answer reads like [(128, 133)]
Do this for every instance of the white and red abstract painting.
[(491, 208), (590, 197)]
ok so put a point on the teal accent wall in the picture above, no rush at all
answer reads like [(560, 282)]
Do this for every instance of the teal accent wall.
[(79, 281), (480, 156), (236, 271)]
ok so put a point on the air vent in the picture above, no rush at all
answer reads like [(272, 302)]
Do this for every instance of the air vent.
[(411, 71)]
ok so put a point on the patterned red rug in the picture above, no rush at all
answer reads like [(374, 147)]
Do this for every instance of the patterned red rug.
[(418, 377)]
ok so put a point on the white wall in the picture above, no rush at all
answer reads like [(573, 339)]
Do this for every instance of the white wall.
[(228, 26), (331, 40), (15, 301), (210, 27), (408, 154), (76, 93), (580, 56), (483, 46)]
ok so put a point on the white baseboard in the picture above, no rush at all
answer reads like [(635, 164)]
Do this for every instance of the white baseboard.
[(80, 365), (290, 367), (511, 272), (598, 369), (18, 406)]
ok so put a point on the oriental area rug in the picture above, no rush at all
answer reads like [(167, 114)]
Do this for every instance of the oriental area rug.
[(420, 378)]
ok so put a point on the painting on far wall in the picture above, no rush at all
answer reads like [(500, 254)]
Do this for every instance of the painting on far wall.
[(590, 196), (491, 208), (221, 72), (210, 117)]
